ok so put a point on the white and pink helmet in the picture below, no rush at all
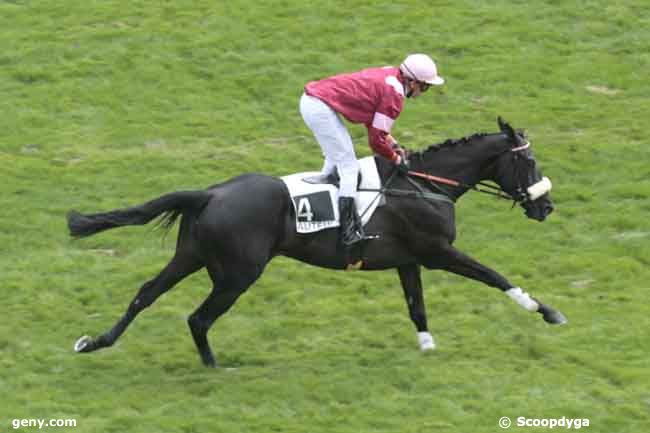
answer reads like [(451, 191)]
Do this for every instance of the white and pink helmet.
[(420, 67)]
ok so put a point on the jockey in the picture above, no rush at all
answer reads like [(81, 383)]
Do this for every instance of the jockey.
[(375, 98)]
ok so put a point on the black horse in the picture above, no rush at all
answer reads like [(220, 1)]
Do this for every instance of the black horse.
[(235, 228)]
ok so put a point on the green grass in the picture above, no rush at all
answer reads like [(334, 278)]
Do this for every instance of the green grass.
[(107, 104)]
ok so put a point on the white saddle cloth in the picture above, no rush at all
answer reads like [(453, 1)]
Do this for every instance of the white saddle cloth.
[(316, 205)]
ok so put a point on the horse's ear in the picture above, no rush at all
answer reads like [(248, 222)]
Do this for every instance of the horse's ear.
[(506, 128), (501, 123)]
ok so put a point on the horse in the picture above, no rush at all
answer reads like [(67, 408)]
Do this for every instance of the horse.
[(233, 229)]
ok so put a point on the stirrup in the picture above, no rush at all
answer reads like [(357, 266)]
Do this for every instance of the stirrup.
[(352, 239), (354, 235)]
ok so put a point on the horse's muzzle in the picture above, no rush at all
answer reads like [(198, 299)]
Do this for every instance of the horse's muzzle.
[(539, 209)]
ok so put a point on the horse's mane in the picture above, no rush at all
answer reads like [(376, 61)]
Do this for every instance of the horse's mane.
[(450, 143)]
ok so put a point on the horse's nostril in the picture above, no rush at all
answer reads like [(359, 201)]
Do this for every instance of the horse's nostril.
[(548, 209)]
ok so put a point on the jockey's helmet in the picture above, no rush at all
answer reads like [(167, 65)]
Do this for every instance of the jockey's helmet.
[(422, 68)]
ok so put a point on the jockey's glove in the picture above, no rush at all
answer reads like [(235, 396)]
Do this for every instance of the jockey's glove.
[(402, 165)]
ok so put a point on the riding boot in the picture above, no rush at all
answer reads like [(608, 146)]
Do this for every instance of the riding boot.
[(351, 230)]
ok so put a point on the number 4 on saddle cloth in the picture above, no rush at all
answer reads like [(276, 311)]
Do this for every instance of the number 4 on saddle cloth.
[(316, 204)]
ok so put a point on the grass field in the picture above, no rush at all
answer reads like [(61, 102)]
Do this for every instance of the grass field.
[(107, 104)]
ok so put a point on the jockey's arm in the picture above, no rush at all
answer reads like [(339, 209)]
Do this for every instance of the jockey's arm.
[(382, 143)]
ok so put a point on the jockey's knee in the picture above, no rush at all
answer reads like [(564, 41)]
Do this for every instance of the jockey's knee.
[(349, 172)]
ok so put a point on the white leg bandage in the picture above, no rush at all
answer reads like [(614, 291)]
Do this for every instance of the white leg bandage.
[(522, 298), (426, 341)]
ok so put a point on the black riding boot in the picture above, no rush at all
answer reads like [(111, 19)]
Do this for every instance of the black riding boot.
[(351, 230)]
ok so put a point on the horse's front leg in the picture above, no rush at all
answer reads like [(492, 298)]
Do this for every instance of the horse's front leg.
[(409, 276), (452, 260)]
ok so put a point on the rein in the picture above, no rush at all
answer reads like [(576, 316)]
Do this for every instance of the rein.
[(486, 187), (482, 187), (427, 195), (420, 193)]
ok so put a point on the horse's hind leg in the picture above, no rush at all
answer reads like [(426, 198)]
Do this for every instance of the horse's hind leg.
[(226, 290), (177, 269)]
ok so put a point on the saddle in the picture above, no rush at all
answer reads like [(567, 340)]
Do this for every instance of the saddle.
[(315, 197)]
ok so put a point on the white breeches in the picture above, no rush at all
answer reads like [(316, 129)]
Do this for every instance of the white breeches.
[(334, 140)]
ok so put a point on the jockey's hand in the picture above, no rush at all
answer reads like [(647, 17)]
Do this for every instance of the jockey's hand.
[(401, 164), (395, 145)]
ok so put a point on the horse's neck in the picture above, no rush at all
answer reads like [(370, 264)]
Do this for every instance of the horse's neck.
[(466, 162)]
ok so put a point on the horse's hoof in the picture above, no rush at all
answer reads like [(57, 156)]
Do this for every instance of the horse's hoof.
[(83, 344), (210, 364), (554, 317), (209, 361)]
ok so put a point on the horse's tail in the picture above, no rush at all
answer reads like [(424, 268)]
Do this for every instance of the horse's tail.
[(171, 206)]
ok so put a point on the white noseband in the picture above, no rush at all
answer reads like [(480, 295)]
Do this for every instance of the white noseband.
[(537, 190)]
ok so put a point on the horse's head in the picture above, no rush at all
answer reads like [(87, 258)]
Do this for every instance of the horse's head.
[(519, 176)]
